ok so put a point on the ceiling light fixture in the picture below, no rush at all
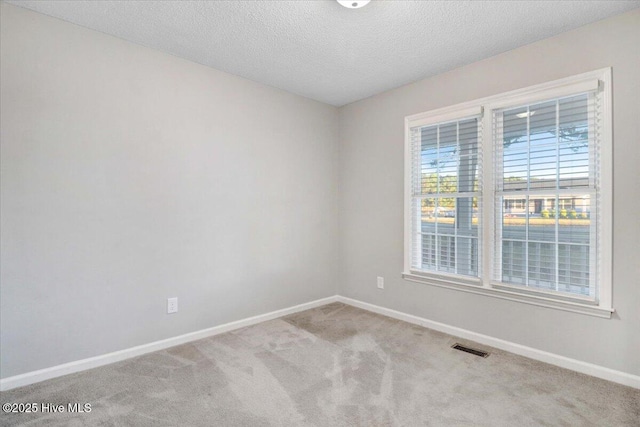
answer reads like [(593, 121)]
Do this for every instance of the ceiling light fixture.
[(353, 4)]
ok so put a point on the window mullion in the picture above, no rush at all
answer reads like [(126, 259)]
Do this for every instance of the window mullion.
[(492, 242)]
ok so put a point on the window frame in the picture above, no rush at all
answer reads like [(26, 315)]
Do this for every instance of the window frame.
[(601, 306)]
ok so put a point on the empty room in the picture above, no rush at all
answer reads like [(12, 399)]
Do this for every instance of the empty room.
[(319, 213)]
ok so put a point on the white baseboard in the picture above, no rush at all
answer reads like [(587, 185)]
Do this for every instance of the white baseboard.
[(105, 359), (532, 353)]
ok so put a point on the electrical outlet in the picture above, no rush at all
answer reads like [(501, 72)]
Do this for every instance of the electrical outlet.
[(172, 305), (380, 282)]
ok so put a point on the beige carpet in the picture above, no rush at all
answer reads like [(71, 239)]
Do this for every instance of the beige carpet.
[(331, 366)]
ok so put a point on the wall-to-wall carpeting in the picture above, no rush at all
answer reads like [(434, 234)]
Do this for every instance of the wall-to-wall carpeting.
[(335, 365)]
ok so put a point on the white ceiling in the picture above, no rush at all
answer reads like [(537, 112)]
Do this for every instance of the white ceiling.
[(321, 50)]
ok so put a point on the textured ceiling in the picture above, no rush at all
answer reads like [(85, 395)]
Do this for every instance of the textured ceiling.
[(324, 51)]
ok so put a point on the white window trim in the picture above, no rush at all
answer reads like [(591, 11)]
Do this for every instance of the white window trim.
[(602, 306)]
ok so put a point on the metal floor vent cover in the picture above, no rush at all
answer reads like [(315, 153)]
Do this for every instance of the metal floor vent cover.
[(470, 350)]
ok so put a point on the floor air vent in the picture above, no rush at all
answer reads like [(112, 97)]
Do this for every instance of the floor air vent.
[(470, 350)]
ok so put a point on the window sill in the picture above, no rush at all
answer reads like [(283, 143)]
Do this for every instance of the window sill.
[(476, 287)]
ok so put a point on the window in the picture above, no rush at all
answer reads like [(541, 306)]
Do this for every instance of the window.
[(445, 195), (526, 215)]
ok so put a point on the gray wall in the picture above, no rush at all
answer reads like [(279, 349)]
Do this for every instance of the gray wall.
[(371, 204), (129, 176)]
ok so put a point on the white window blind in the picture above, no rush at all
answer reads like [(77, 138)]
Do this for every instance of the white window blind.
[(546, 174), (446, 197)]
